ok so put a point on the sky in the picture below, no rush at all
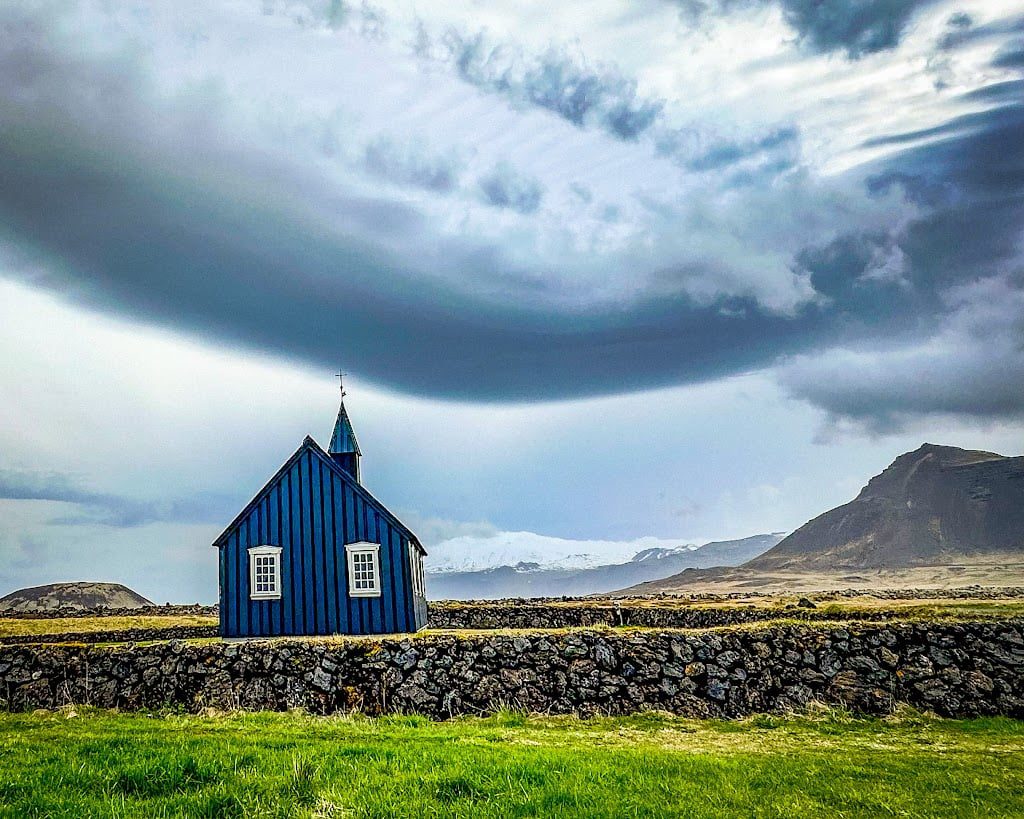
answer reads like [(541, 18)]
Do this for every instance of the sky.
[(601, 271)]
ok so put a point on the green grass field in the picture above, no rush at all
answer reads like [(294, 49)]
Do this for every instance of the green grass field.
[(92, 763)]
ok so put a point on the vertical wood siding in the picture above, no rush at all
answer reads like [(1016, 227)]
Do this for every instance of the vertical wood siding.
[(311, 511)]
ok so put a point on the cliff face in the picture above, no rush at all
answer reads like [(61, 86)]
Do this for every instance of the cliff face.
[(937, 504)]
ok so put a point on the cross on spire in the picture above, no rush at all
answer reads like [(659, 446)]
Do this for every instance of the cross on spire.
[(341, 381)]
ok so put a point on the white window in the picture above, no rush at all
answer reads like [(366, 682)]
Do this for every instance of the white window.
[(416, 570), (363, 569), (265, 572)]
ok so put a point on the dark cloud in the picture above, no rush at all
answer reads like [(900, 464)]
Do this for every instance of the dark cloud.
[(745, 162), (971, 368), (411, 164), (1010, 55), (503, 187), (961, 30), (963, 269), (856, 27), (194, 232), (599, 96), (150, 239), (105, 509), (865, 274)]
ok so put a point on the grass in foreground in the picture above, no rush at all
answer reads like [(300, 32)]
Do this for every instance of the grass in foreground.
[(97, 763), (16, 627)]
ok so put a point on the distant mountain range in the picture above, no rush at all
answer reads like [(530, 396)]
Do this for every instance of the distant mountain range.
[(72, 595), (936, 506), (532, 579), (491, 550)]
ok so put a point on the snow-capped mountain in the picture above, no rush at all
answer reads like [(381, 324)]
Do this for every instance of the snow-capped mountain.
[(569, 571), (479, 553)]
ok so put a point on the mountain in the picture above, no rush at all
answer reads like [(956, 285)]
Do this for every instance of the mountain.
[(533, 579), (937, 504), (73, 595), (939, 516), (492, 550)]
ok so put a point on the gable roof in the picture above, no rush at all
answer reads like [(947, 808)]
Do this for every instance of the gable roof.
[(308, 444)]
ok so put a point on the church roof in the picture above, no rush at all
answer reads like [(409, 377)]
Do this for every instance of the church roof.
[(308, 444), (344, 438)]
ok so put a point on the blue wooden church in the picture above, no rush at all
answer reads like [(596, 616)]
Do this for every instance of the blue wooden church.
[(315, 553)]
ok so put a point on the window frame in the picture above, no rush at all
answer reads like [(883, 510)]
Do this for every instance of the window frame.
[(265, 551), (416, 570), (363, 548)]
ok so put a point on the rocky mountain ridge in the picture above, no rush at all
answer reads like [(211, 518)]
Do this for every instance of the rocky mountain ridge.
[(935, 504)]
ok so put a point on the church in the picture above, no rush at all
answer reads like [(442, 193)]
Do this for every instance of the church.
[(314, 553)]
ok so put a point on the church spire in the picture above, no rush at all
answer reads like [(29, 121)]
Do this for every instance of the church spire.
[(344, 448)]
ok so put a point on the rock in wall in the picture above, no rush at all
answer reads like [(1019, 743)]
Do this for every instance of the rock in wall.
[(962, 669)]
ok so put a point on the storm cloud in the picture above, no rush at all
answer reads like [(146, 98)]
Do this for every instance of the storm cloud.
[(559, 248), (853, 27), (857, 27), (601, 96), (961, 263), (147, 202)]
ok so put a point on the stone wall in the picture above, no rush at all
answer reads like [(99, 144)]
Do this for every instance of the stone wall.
[(961, 669), (168, 610), (124, 635), (480, 615), (964, 592), (487, 616)]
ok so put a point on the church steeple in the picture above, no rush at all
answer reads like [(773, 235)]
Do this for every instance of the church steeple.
[(344, 448)]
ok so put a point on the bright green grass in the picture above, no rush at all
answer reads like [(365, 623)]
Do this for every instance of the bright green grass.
[(104, 764)]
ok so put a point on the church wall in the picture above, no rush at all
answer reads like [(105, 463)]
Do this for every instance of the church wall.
[(312, 512)]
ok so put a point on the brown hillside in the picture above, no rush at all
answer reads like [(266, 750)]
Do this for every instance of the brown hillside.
[(934, 505), (73, 595), (938, 517)]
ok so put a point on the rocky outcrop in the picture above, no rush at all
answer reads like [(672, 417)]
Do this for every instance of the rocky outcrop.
[(959, 670), (938, 504), (73, 596)]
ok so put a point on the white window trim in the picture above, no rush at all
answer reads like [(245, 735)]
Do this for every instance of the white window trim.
[(363, 547), (262, 551), (416, 570)]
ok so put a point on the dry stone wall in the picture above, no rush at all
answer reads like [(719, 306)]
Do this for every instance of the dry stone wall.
[(955, 669), (481, 615), (124, 635), (168, 610)]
